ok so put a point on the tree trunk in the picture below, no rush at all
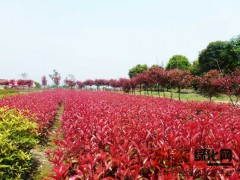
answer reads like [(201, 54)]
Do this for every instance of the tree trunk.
[(163, 92), (179, 91)]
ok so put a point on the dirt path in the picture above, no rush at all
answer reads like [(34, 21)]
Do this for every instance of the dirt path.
[(44, 166)]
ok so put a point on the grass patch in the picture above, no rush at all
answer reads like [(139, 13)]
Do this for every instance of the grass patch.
[(44, 166), (186, 95)]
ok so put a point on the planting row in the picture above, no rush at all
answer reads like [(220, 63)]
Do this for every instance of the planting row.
[(108, 135), (42, 105), (24, 120), (116, 136)]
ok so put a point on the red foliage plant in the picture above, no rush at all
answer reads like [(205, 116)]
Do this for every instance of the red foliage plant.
[(117, 136)]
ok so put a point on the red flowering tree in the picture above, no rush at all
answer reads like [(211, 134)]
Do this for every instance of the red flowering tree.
[(133, 84), (230, 85), (162, 79), (25, 83), (101, 82), (21, 82), (56, 77), (150, 79), (70, 83), (207, 84), (180, 79), (4, 82), (88, 82), (196, 82), (114, 83), (44, 81), (125, 84), (158, 76), (29, 83), (80, 84), (139, 80)]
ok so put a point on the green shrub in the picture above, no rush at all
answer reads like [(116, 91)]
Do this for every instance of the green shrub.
[(7, 92), (18, 135)]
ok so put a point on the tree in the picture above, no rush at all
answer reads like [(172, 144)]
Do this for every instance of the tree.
[(80, 84), (180, 79), (195, 68), (154, 76), (4, 82), (232, 52), (125, 84), (100, 82), (178, 62), (213, 57), (114, 83), (137, 70), (133, 84), (24, 83), (139, 80), (230, 85), (70, 83), (156, 66), (207, 85), (44, 81), (88, 82), (37, 84), (56, 77)]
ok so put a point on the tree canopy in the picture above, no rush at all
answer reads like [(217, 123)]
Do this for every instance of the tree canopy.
[(56, 77), (195, 68), (220, 55), (137, 70), (213, 57), (178, 62), (233, 53)]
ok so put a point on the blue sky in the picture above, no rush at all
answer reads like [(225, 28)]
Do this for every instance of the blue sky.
[(105, 38)]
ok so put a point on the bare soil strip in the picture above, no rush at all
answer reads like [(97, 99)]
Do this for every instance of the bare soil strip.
[(42, 165)]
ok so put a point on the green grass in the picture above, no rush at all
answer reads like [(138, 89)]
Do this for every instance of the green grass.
[(7, 92), (11, 92), (187, 95), (46, 166)]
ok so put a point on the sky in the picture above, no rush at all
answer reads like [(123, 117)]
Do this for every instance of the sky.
[(105, 38)]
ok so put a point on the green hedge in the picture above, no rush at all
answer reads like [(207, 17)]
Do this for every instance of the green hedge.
[(18, 135)]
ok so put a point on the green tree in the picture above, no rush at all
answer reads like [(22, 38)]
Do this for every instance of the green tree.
[(213, 57), (178, 62), (37, 84), (232, 52), (195, 68), (156, 66), (137, 70)]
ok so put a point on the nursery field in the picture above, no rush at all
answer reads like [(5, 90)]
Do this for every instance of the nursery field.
[(105, 135)]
